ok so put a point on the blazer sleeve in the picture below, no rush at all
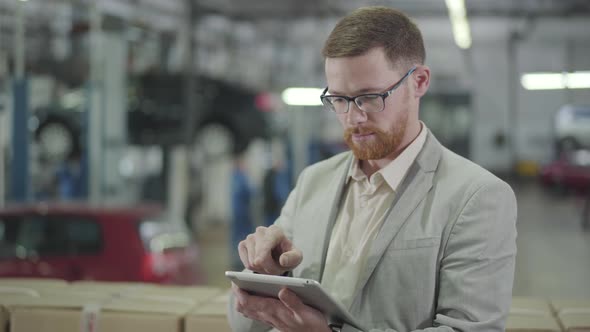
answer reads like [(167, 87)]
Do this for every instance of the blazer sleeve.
[(477, 269), (237, 321)]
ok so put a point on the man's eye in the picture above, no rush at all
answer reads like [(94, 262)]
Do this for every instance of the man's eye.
[(338, 100), (368, 98)]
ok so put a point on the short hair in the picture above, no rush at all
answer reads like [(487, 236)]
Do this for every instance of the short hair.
[(370, 27)]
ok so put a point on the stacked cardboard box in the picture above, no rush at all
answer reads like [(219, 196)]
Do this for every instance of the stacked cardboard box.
[(13, 289), (531, 315), (111, 288), (90, 307), (30, 287), (90, 314), (211, 316), (3, 319), (33, 282), (574, 315)]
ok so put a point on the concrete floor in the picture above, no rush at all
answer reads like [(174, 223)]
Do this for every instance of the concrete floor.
[(553, 259)]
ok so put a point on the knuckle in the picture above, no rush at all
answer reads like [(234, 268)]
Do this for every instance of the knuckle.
[(276, 229)]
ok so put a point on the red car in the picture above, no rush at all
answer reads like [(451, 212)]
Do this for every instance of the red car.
[(81, 242), (570, 172)]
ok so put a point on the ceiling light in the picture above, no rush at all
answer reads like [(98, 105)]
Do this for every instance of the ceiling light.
[(578, 80), (556, 81), (459, 23), (543, 81), (302, 96)]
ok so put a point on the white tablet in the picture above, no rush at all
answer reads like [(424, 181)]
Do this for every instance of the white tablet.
[(309, 291)]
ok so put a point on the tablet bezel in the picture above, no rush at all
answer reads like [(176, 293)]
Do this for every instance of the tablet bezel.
[(309, 291)]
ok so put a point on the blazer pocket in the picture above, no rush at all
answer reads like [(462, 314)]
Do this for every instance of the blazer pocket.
[(426, 242)]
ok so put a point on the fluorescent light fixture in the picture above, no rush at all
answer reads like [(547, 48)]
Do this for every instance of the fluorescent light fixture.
[(302, 96), (578, 80), (543, 81), (459, 22), (556, 81)]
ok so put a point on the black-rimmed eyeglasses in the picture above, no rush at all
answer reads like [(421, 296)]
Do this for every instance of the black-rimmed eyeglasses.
[(368, 102)]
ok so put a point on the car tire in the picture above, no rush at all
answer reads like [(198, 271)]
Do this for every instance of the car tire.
[(567, 144), (57, 138)]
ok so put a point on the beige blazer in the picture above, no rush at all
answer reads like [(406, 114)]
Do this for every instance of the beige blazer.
[(443, 259)]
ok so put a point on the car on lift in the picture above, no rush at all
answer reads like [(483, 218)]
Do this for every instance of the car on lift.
[(82, 242), (572, 128), (157, 115)]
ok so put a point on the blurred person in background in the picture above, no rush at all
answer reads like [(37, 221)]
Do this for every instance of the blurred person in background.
[(69, 177), (276, 185), (406, 234), (241, 200)]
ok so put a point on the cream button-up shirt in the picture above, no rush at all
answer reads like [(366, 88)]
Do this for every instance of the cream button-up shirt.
[(359, 219)]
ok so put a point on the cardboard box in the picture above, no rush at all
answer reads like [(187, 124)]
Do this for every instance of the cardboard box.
[(531, 323), (7, 294), (123, 307), (559, 305), (108, 287), (33, 282), (191, 295), (575, 321), (3, 319), (85, 313), (528, 314), (574, 315), (197, 294), (530, 305), (211, 316)]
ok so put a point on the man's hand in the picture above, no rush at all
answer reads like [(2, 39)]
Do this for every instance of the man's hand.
[(287, 314), (268, 251)]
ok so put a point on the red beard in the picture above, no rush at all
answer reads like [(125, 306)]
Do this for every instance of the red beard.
[(379, 146)]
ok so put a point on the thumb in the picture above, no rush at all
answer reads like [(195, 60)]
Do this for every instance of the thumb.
[(290, 300), (290, 259)]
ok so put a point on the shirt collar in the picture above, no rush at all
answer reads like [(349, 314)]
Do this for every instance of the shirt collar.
[(396, 170)]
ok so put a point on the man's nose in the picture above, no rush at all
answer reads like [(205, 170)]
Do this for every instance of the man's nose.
[(355, 115)]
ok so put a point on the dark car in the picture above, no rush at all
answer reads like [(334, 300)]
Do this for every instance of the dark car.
[(81, 242), (158, 115)]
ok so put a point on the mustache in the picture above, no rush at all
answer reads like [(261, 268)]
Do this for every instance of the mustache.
[(360, 130)]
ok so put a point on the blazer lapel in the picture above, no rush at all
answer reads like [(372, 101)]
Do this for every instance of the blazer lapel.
[(324, 217), (412, 191)]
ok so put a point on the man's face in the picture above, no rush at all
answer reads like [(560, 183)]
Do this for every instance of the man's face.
[(371, 136)]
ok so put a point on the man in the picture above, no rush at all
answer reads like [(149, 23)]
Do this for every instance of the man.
[(408, 235)]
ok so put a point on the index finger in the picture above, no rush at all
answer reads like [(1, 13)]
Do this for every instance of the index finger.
[(273, 237)]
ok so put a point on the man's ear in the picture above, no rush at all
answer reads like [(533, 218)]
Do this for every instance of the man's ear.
[(421, 80)]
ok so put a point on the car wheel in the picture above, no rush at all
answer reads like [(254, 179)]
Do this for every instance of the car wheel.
[(567, 144), (56, 139)]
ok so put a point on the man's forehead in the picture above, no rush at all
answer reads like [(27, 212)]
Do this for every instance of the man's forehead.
[(354, 81)]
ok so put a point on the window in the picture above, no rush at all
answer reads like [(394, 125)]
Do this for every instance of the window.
[(22, 236)]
